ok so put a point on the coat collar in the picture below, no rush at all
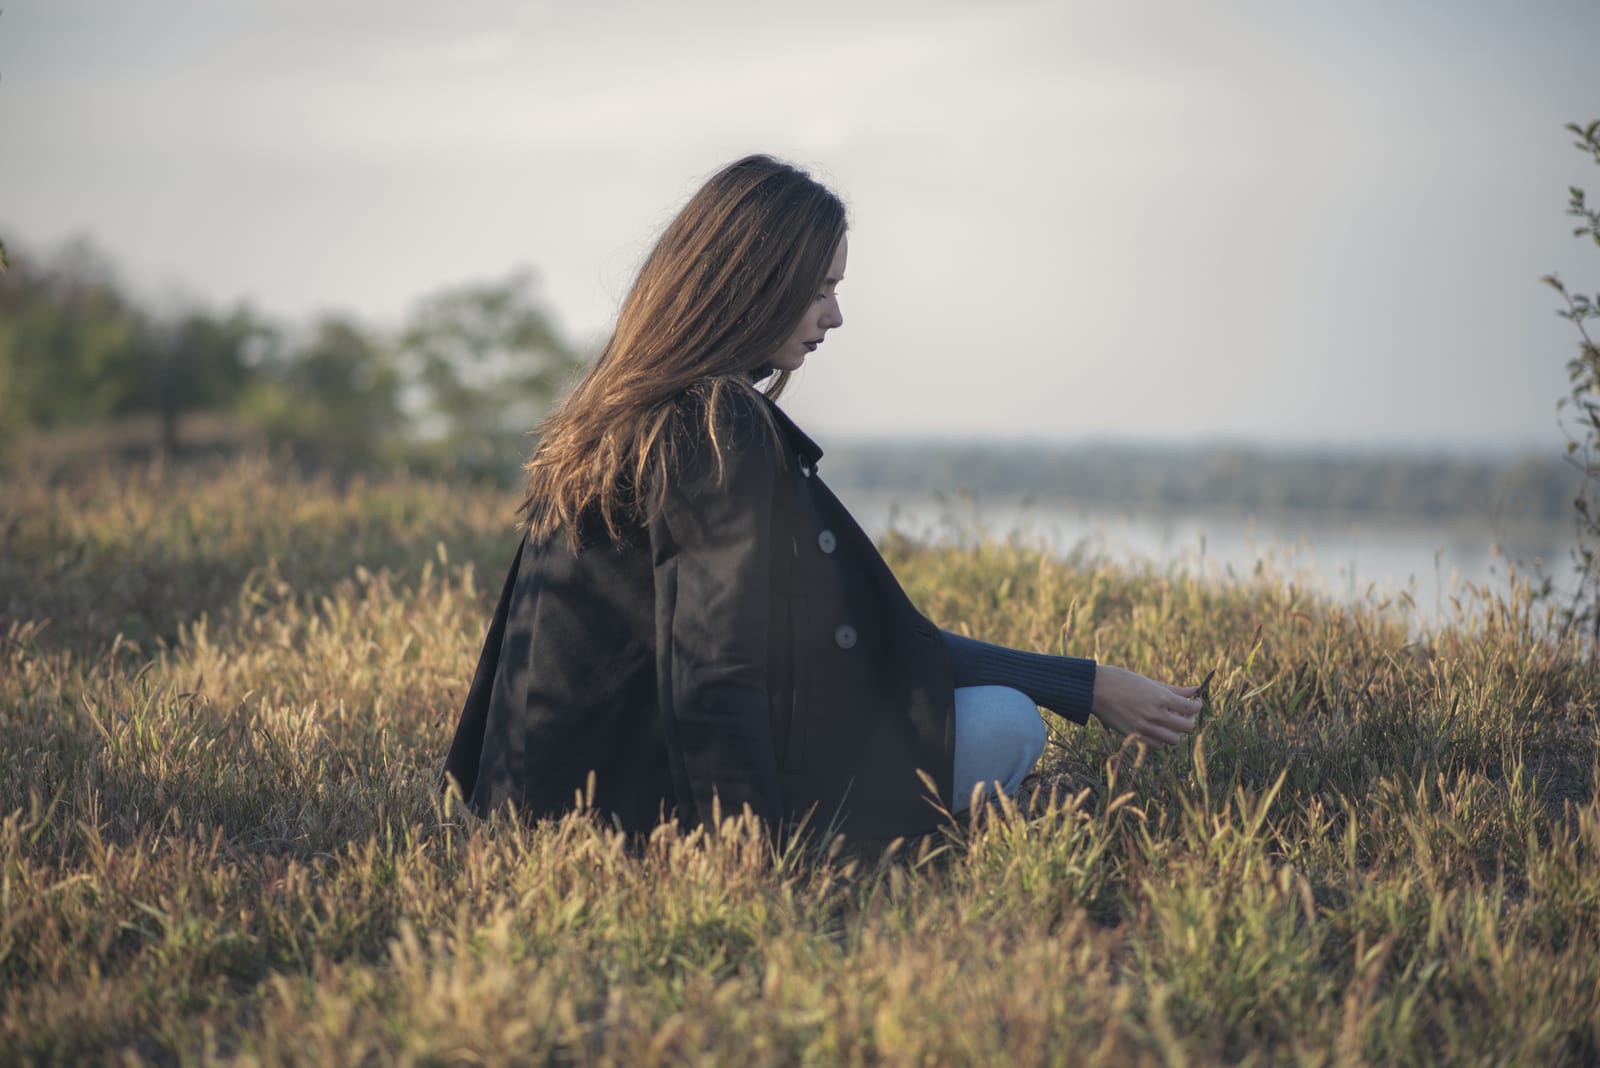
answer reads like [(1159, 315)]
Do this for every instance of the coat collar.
[(809, 450)]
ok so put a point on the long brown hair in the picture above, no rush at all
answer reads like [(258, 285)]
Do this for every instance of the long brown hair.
[(719, 293)]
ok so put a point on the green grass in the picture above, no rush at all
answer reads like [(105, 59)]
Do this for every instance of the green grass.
[(225, 694)]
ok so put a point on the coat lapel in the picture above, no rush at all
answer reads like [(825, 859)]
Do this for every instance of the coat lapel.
[(809, 450)]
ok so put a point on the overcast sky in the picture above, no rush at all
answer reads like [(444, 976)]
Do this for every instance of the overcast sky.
[(1287, 223)]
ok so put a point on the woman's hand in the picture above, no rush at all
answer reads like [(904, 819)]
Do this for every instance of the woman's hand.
[(1154, 712)]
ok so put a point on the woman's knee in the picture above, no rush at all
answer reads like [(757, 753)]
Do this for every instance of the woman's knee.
[(1009, 717), (1029, 726), (999, 734)]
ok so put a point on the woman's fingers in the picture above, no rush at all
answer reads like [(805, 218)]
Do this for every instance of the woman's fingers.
[(1179, 727), (1168, 727), (1185, 711), (1159, 736), (1160, 728)]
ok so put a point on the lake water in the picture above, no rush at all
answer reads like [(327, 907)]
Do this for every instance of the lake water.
[(1429, 564)]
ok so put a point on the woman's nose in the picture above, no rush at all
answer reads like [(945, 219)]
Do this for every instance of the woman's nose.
[(832, 317)]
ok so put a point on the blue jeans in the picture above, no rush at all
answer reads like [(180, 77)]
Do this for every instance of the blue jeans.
[(999, 737)]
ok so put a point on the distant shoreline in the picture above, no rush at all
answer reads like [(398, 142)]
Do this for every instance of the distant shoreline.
[(1321, 487)]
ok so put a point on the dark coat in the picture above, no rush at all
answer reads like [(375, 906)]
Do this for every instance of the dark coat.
[(749, 643)]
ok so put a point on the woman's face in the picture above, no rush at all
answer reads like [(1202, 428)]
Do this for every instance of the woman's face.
[(821, 316)]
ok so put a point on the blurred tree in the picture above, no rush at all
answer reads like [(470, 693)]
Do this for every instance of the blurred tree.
[(75, 348), (197, 362), (483, 362), (332, 396), (1583, 439), (69, 341)]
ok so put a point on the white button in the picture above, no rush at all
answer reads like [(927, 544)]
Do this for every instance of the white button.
[(805, 468), (826, 541), (845, 636)]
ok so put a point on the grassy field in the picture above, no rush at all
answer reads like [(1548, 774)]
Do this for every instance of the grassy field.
[(225, 695)]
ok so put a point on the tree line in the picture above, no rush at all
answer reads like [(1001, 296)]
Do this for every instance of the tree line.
[(455, 388)]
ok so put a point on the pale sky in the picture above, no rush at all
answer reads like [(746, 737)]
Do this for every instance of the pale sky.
[(1269, 222)]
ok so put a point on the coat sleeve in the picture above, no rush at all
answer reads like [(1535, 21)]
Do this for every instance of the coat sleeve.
[(1063, 684), (712, 557)]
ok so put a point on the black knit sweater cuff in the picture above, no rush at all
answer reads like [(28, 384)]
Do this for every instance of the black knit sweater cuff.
[(1063, 684)]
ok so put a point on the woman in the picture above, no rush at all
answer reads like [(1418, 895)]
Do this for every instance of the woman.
[(693, 619)]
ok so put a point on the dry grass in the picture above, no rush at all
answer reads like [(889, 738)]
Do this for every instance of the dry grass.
[(224, 696)]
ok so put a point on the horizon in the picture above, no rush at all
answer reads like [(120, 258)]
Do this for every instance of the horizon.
[(1477, 451)]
